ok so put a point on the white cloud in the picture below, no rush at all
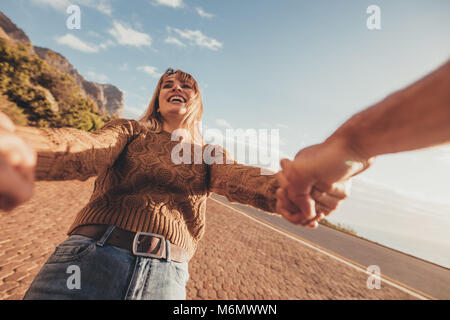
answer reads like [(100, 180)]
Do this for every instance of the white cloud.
[(375, 191), (102, 6), (94, 34), (76, 43), (170, 3), (175, 41), (103, 45), (106, 44), (224, 123), (196, 37), (128, 36), (153, 71), (97, 77), (202, 13)]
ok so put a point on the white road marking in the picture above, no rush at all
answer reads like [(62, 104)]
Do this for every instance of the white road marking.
[(414, 294)]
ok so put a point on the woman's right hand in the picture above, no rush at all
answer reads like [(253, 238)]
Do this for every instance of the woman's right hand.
[(17, 164)]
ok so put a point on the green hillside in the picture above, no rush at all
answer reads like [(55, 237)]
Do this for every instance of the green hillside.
[(34, 93)]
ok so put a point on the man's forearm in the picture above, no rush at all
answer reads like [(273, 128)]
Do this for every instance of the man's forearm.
[(413, 118)]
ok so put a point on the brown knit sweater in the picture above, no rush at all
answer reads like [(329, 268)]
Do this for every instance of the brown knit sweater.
[(139, 187)]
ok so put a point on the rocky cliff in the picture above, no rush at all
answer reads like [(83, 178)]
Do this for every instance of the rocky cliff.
[(109, 99), (9, 29)]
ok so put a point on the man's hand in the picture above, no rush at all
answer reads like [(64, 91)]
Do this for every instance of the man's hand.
[(318, 179), (412, 118), (17, 163)]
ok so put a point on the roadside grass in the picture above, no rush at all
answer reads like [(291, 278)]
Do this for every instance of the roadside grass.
[(339, 227)]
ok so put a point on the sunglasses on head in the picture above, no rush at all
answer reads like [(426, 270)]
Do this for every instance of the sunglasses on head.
[(170, 71)]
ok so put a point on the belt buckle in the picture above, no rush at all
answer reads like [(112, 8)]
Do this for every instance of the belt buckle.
[(145, 254)]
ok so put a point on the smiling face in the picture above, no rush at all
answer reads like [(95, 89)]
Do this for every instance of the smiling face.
[(176, 103), (175, 96)]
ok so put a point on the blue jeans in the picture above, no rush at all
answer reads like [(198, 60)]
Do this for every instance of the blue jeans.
[(81, 269)]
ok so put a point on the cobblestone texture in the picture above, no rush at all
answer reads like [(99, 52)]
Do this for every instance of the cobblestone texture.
[(237, 258)]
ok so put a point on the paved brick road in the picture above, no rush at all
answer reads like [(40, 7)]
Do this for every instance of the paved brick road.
[(237, 259)]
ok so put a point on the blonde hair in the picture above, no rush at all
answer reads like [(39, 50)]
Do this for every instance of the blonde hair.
[(153, 120)]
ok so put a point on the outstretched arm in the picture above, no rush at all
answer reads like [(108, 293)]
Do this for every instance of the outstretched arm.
[(413, 118), (240, 183), (246, 185), (67, 153)]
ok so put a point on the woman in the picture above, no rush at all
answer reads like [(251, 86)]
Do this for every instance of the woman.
[(143, 222)]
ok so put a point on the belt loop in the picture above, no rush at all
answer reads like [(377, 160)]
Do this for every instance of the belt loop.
[(105, 236), (168, 250)]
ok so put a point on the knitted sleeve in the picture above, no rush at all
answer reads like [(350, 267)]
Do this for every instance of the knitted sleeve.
[(68, 153), (238, 182)]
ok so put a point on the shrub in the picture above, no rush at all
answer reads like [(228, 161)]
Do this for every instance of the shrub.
[(13, 111), (23, 77)]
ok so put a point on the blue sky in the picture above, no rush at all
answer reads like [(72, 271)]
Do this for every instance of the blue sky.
[(302, 67)]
